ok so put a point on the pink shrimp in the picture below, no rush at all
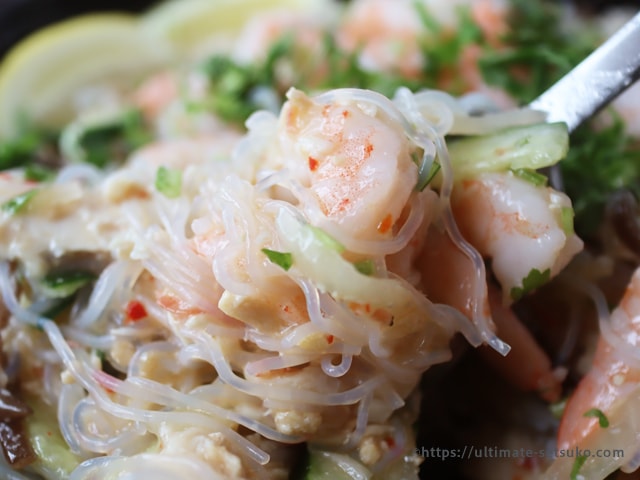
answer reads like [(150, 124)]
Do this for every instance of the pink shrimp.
[(388, 33), (156, 93), (609, 393), (490, 16), (356, 162), (517, 224), (447, 277)]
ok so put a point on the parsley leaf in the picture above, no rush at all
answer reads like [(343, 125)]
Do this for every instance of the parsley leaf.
[(533, 280), (112, 140), (282, 259), (442, 50), (32, 148), (603, 421), (19, 151), (537, 51), (232, 85), (577, 465), (599, 162), (169, 182), (18, 203)]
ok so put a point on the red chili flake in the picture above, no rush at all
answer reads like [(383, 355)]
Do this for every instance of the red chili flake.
[(135, 311), (345, 113), (330, 339), (368, 148), (286, 308), (313, 164), (385, 225), (390, 442)]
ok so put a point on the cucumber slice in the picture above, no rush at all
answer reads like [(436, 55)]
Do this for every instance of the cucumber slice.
[(530, 147), (335, 466), (55, 459)]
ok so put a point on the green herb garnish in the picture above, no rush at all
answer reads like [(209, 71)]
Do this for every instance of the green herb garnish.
[(536, 52), (577, 465), (19, 151), (38, 173), (533, 280), (365, 267), (282, 259), (18, 203), (599, 414), (566, 220), (233, 85), (169, 182), (600, 161), (442, 50), (105, 141)]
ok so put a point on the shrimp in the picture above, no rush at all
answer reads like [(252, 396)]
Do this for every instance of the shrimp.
[(447, 274), (612, 390), (156, 93), (264, 30), (388, 36), (356, 163), (388, 33), (447, 277), (518, 225), (527, 366)]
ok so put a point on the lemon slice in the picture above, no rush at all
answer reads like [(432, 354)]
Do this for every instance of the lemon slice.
[(41, 75), (193, 26)]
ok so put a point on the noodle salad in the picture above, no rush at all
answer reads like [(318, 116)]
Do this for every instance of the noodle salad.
[(301, 248)]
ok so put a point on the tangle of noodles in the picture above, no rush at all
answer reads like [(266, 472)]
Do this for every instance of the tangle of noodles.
[(209, 338)]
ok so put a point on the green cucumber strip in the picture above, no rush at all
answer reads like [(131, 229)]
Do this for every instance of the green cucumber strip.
[(530, 147)]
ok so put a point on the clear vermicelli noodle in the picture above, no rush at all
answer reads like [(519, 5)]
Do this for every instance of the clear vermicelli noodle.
[(313, 244)]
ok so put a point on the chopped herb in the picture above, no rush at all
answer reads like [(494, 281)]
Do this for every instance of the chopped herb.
[(38, 173), (533, 280), (169, 182), (442, 51), (599, 162), (566, 220), (233, 85), (365, 267), (65, 284), (537, 50), (577, 465), (599, 414), (101, 354), (531, 176), (282, 259), (19, 202), (20, 151), (344, 69), (426, 176), (105, 141), (327, 240)]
